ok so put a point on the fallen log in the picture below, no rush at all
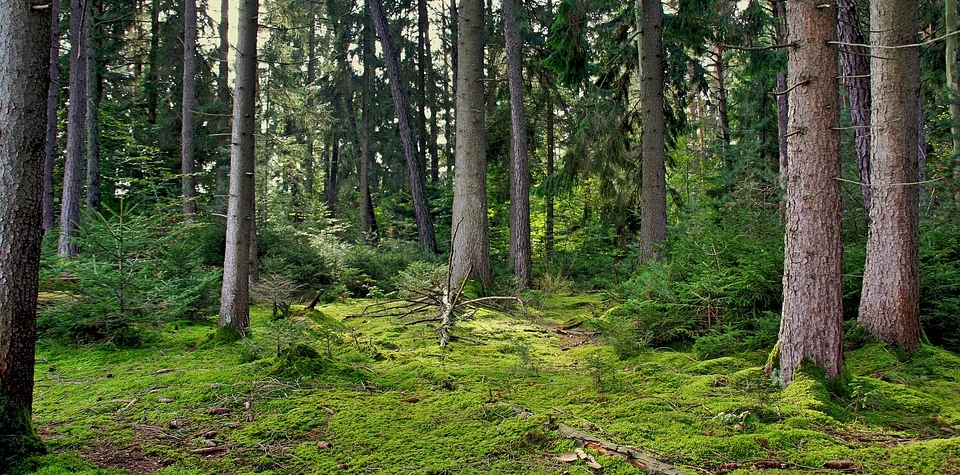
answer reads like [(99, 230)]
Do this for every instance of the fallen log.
[(633, 455)]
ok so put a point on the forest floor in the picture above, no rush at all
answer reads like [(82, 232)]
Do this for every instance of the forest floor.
[(331, 393)]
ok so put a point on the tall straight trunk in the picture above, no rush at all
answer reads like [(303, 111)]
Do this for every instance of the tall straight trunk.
[(653, 207), (470, 246), (333, 170), (53, 100), (428, 239), (548, 228), (811, 324), (308, 159), (223, 97), (890, 302), (153, 57), (722, 114), (451, 105), (93, 113), (368, 219), (234, 295), (423, 46), (856, 78), (188, 131), (520, 167), (24, 81), (953, 71), (76, 118), (780, 37)]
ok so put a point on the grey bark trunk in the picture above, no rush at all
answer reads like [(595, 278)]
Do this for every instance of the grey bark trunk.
[(223, 96), (428, 239), (234, 295), (53, 101), (856, 78), (76, 118), (890, 302), (470, 246), (187, 129), (953, 71), (24, 83), (811, 323), (653, 208), (93, 114), (520, 166), (368, 219), (780, 37)]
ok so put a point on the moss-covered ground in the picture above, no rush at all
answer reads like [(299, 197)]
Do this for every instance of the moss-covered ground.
[(322, 393)]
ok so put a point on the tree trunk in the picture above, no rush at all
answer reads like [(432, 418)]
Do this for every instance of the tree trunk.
[(223, 97), (234, 295), (308, 160), (187, 130), (451, 133), (653, 208), (93, 112), (428, 239), (76, 119), (856, 78), (520, 166), (811, 324), (722, 114), (548, 228), (24, 83), (423, 46), (470, 245), (890, 302), (153, 58), (333, 169), (953, 73), (53, 101), (368, 219), (780, 37)]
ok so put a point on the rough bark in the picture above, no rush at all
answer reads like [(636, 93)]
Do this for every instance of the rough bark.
[(24, 79), (53, 101), (890, 302), (470, 246), (780, 37), (722, 114), (653, 207), (93, 112), (234, 305), (856, 78), (415, 173), (549, 223), (76, 119), (520, 166), (811, 323), (187, 130)]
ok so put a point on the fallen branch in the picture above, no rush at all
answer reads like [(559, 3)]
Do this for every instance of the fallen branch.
[(632, 455)]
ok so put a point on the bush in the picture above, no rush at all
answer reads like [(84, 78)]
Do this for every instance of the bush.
[(134, 272)]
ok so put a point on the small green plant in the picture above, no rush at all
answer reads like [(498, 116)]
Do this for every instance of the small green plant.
[(602, 373)]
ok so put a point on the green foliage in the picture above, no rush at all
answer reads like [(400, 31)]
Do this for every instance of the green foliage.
[(568, 45), (720, 282), (135, 272)]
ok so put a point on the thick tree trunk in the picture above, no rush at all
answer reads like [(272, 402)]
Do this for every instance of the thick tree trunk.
[(188, 131), (76, 119), (811, 324), (428, 239), (856, 78), (93, 113), (234, 295), (24, 84), (520, 166), (722, 114), (890, 302), (53, 101), (653, 208), (470, 246)]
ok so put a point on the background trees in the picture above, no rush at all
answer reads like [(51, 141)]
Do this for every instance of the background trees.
[(621, 163)]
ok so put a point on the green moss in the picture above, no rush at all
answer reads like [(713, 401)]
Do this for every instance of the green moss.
[(19, 442)]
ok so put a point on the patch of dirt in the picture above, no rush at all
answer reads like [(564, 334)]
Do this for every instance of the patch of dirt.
[(127, 458)]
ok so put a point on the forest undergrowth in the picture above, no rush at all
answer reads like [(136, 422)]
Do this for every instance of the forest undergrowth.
[(329, 392)]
